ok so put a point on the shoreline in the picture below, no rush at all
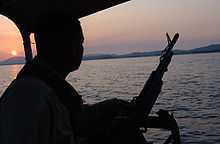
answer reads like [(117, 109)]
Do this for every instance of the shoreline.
[(117, 57)]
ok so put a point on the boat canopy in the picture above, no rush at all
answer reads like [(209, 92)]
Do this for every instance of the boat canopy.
[(26, 14)]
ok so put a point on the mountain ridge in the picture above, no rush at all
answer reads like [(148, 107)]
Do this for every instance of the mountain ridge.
[(206, 49)]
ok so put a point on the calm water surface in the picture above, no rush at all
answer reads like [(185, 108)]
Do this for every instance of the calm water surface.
[(191, 90)]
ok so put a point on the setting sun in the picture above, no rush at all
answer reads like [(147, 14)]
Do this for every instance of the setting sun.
[(14, 53)]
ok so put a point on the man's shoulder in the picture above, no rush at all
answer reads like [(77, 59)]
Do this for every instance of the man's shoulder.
[(28, 91), (29, 83)]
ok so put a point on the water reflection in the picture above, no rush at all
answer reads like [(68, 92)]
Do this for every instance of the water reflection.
[(7, 74), (14, 70), (191, 89)]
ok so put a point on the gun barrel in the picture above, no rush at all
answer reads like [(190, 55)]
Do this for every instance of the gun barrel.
[(171, 43), (175, 39)]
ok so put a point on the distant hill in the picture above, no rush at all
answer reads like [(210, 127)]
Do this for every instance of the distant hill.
[(207, 49), (13, 60)]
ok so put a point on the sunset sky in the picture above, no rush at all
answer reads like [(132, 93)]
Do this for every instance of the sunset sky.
[(138, 25)]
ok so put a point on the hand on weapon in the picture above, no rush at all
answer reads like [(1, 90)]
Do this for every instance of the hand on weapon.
[(166, 121)]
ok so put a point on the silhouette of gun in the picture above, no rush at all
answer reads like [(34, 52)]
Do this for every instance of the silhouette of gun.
[(144, 102), (115, 112), (147, 97)]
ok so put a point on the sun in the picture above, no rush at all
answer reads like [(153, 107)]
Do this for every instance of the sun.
[(14, 53)]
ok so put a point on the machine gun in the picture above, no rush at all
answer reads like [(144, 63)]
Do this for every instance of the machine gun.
[(144, 102)]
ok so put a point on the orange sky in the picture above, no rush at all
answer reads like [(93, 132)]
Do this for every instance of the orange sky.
[(10, 38), (139, 25)]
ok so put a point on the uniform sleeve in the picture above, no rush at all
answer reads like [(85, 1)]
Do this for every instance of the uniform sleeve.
[(25, 114)]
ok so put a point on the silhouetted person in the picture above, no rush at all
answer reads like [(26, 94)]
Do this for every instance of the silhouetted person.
[(41, 107)]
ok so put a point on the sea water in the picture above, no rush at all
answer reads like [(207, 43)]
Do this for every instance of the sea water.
[(191, 90)]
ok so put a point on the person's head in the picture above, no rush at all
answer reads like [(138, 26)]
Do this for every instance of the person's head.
[(59, 43)]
